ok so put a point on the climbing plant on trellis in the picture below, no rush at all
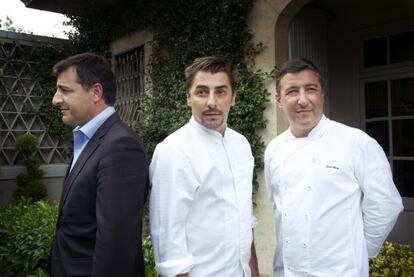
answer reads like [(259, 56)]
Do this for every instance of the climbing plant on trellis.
[(20, 99)]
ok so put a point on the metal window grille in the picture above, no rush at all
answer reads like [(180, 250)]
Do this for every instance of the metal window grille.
[(129, 72)]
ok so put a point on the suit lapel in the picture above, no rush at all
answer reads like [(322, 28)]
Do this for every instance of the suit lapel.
[(90, 148)]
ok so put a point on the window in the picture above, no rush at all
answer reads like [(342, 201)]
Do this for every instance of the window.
[(389, 49), (389, 101), (129, 72), (389, 118)]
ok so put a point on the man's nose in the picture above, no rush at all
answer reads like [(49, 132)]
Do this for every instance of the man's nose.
[(303, 99), (211, 100), (56, 98)]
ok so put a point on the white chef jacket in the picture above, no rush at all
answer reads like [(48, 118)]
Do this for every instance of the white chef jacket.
[(201, 203), (335, 200)]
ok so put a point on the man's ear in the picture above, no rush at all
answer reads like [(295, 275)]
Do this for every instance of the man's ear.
[(233, 100), (277, 97), (97, 91), (188, 99)]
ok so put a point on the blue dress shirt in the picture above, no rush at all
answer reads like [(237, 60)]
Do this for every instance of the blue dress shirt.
[(82, 135)]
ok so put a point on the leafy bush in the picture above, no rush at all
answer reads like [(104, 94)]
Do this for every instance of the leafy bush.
[(27, 144), (149, 258), (29, 185), (26, 233), (394, 260)]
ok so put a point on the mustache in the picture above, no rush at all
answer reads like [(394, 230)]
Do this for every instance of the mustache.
[(213, 111)]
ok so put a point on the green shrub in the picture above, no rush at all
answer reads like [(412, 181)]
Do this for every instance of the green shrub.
[(29, 185), (149, 258), (27, 144), (394, 260), (26, 233)]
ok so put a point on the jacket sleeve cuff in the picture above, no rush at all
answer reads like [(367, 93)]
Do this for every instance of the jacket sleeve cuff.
[(171, 268)]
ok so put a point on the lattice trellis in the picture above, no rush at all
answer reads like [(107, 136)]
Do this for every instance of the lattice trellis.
[(129, 71), (20, 97)]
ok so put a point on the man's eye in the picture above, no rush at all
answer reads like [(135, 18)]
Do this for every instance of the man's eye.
[(291, 92), (201, 92)]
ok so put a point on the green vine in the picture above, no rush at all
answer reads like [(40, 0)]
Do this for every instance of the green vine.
[(46, 56)]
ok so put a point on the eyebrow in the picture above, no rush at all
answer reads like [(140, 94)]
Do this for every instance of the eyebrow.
[(63, 87), (306, 85), (217, 87), (311, 85), (291, 87)]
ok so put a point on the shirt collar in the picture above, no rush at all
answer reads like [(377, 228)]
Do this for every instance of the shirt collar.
[(316, 132), (194, 122), (90, 128)]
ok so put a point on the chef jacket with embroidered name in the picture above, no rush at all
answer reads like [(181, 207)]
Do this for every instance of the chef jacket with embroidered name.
[(334, 198), (201, 203)]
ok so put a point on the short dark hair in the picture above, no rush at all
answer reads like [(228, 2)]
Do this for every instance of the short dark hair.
[(211, 64), (295, 66), (91, 69)]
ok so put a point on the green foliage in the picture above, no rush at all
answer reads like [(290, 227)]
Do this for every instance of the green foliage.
[(149, 258), (26, 233), (8, 25), (394, 260), (95, 32), (46, 56), (27, 144), (29, 185), (247, 115)]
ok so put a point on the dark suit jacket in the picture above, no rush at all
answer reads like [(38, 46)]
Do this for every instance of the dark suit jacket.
[(98, 231)]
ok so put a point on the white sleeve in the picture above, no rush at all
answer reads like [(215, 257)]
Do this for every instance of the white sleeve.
[(172, 194), (268, 176), (381, 203)]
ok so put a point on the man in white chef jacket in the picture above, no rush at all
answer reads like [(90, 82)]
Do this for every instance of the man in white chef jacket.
[(330, 185), (201, 199)]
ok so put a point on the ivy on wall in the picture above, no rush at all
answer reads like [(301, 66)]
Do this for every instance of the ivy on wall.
[(46, 56), (184, 30)]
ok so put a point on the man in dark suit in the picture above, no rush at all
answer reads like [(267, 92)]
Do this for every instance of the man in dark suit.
[(98, 230)]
